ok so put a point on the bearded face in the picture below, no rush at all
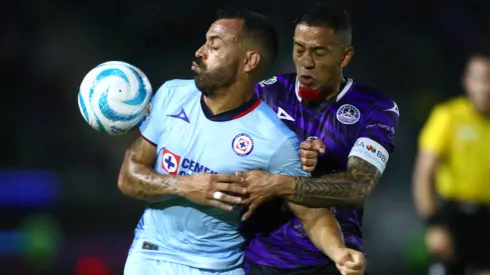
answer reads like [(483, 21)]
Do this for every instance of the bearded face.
[(217, 62), (221, 75)]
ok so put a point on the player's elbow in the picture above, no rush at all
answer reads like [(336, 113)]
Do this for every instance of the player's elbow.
[(423, 183), (360, 202), (425, 166), (123, 181), (361, 193)]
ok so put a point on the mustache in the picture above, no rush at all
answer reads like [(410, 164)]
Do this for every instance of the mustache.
[(199, 63)]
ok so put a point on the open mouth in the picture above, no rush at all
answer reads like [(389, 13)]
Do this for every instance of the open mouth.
[(306, 79), (194, 66)]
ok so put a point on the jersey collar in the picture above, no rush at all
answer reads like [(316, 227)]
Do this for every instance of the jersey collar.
[(346, 87), (243, 110)]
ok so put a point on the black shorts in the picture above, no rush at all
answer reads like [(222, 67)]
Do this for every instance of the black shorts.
[(256, 269), (469, 226)]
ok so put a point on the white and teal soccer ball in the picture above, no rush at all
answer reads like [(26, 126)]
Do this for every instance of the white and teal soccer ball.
[(114, 97)]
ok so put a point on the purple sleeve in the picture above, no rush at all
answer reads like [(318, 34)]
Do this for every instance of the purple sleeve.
[(258, 90), (264, 87), (380, 124)]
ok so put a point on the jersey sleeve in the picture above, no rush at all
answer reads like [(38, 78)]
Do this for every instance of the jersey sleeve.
[(434, 136), (149, 128), (285, 159), (376, 140), (262, 88), (258, 90)]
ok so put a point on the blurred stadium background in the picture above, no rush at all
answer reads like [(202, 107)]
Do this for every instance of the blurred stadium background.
[(60, 209)]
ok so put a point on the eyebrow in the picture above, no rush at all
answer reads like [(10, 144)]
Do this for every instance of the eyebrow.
[(215, 37), (315, 48)]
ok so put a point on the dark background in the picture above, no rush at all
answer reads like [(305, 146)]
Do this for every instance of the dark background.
[(60, 209)]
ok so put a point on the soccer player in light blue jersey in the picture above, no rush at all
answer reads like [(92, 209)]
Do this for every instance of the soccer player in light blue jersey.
[(199, 134)]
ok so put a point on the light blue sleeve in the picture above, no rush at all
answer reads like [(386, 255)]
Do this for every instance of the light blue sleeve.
[(149, 128), (286, 159)]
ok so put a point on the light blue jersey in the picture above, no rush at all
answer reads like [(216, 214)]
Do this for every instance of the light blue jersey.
[(190, 140)]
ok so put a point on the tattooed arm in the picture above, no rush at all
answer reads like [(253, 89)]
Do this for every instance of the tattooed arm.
[(367, 160), (137, 177), (351, 187)]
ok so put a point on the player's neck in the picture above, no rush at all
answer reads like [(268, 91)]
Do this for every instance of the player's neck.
[(328, 93), (485, 112), (482, 109), (229, 98), (334, 90)]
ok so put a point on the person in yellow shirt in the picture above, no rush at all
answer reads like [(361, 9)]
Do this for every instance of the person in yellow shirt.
[(452, 175)]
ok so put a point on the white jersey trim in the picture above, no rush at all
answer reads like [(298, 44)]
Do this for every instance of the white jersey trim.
[(339, 96), (370, 151)]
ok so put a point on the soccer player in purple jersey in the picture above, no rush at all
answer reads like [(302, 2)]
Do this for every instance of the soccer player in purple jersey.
[(351, 128), (239, 45)]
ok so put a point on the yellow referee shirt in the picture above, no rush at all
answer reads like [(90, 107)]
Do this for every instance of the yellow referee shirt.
[(461, 137)]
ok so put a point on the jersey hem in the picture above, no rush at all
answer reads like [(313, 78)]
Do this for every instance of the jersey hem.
[(200, 260)]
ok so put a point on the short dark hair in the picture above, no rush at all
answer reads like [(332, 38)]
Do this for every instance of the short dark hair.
[(332, 15), (257, 28)]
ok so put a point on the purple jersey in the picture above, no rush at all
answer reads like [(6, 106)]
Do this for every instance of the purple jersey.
[(359, 121)]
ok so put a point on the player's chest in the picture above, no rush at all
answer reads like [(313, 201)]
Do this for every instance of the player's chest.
[(337, 126), (199, 145), (470, 139)]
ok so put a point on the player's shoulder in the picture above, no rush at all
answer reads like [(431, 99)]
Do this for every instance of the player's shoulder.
[(270, 123), (174, 92), (455, 104), (456, 107), (180, 85), (177, 88), (277, 83), (374, 97)]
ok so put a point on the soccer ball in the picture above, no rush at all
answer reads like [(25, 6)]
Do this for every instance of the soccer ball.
[(114, 97)]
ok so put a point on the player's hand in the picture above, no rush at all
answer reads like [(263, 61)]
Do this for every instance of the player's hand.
[(208, 189), (309, 151), (349, 261), (260, 187), (440, 243)]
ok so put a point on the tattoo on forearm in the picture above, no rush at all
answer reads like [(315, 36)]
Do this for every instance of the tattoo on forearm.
[(346, 188), (145, 183)]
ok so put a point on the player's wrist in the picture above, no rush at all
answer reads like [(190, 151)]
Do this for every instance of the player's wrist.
[(178, 184), (284, 185), (432, 219), (336, 252)]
